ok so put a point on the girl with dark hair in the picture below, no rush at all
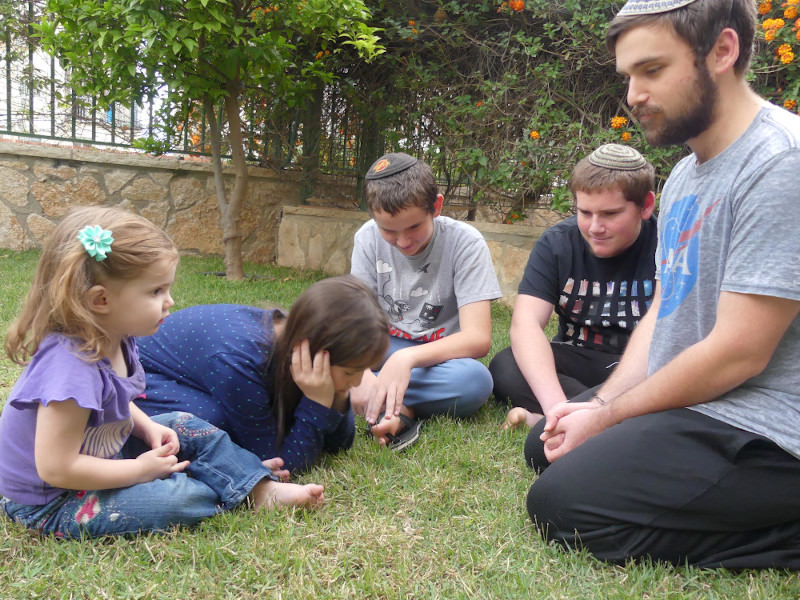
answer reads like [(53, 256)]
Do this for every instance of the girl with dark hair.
[(278, 384)]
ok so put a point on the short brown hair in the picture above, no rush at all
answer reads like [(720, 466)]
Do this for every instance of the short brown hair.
[(415, 186), (699, 25)]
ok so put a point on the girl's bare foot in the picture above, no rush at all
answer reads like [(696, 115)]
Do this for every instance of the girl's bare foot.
[(518, 415), (268, 494)]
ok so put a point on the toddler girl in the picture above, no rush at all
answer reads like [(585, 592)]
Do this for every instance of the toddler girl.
[(77, 456)]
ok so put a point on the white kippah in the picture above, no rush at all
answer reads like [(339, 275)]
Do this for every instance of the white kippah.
[(617, 157), (650, 7)]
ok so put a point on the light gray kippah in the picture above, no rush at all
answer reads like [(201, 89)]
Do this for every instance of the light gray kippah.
[(650, 7), (617, 157)]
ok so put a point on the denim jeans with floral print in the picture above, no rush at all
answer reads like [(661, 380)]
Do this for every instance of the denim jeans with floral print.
[(219, 477)]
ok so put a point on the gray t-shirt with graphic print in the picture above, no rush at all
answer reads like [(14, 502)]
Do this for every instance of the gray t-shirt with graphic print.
[(733, 224), (422, 293)]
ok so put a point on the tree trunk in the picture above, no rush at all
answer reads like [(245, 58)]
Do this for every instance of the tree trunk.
[(229, 211), (231, 232), (371, 144), (312, 130)]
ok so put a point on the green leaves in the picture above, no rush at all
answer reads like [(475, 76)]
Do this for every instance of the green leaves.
[(201, 48)]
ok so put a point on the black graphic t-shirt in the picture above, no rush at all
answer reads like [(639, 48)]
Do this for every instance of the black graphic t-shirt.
[(598, 300)]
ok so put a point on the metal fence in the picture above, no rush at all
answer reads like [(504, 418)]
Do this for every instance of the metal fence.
[(37, 101)]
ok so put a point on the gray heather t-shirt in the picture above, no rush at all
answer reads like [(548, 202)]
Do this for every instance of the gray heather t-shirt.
[(733, 224), (422, 293)]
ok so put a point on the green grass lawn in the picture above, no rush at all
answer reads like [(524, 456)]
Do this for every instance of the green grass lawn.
[(446, 519)]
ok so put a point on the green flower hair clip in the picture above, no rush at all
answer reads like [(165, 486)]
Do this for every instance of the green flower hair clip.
[(97, 241)]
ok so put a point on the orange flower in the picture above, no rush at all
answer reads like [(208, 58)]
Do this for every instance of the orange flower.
[(411, 22), (790, 12), (502, 6), (319, 55), (764, 8), (479, 103), (534, 135), (626, 135), (772, 24), (769, 35), (790, 104), (516, 5), (618, 122), (783, 49), (787, 57)]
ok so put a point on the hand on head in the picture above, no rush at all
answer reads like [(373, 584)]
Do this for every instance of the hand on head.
[(313, 377)]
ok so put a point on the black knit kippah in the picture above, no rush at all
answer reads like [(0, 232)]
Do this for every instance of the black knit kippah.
[(390, 164)]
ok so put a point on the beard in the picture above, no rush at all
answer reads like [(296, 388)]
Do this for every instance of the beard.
[(695, 117)]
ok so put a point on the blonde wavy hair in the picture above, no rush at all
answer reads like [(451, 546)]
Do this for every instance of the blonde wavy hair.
[(56, 302)]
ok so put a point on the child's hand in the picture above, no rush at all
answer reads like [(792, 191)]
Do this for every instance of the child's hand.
[(159, 463), (151, 433), (159, 435), (312, 377), (390, 388), (274, 465)]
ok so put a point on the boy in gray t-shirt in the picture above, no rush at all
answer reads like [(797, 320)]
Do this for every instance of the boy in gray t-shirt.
[(435, 278)]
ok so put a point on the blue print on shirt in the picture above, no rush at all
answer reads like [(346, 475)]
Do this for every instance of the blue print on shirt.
[(679, 253)]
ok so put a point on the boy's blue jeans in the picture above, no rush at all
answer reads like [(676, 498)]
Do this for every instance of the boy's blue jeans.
[(457, 387), (219, 477)]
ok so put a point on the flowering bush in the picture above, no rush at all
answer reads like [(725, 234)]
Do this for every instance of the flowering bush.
[(776, 72), (504, 97)]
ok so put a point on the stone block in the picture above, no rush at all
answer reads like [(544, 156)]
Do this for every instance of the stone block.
[(12, 235), (13, 186)]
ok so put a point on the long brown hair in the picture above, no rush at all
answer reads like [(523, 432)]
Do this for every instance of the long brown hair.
[(56, 302), (338, 314)]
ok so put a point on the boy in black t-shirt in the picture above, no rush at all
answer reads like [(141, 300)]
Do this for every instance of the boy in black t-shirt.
[(596, 270)]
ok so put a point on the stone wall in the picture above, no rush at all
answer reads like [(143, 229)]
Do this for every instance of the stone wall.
[(322, 238), (38, 183)]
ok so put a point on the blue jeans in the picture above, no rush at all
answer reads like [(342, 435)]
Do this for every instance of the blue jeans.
[(219, 477), (456, 387)]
